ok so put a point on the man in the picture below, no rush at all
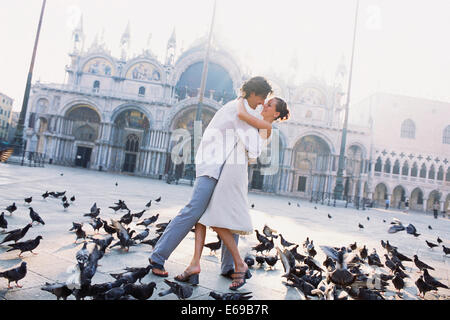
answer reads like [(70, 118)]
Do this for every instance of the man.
[(211, 155)]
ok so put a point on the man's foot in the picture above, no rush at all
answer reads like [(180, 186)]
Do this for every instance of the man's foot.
[(158, 269)]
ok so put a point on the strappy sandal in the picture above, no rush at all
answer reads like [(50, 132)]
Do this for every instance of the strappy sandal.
[(192, 278), (158, 270), (230, 272), (237, 280)]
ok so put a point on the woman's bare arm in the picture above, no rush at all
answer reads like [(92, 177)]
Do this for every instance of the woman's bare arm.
[(251, 120)]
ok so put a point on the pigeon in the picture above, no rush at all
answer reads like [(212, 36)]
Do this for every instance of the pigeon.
[(3, 221), (367, 294), (384, 221), (287, 259), (16, 234), (446, 250), (65, 205), (182, 291), (373, 259), (329, 216), (64, 199), (11, 208), (214, 246), (116, 208), (431, 244), (75, 225), (127, 218), (439, 240), (297, 256), (315, 207), (114, 293), (94, 211), (25, 246), (368, 219), (261, 238), (423, 286), (116, 184), (108, 228), (410, 229), (398, 282), (253, 205), (285, 243), (102, 243), (35, 216), (28, 200), (289, 203), (72, 198), (96, 224), (311, 251), (15, 274), (399, 255), (230, 296), (353, 246), (396, 228), (400, 272), (271, 260), (429, 227), (140, 292), (391, 265), (45, 195), (153, 241), (420, 264), (141, 236), (125, 240), (249, 260), (149, 204), (298, 204), (341, 275), (82, 256), (432, 281), (269, 232), (301, 284), (158, 200), (60, 290), (360, 226), (397, 261), (148, 221), (80, 233), (132, 276), (88, 271), (363, 252), (260, 259), (139, 214)]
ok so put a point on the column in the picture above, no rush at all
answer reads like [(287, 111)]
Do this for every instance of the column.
[(424, 205)]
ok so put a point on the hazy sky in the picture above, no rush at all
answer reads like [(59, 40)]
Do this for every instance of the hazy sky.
[(402, 45)]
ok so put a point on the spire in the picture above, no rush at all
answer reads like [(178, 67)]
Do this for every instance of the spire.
[(125, 42), (171, 47), (78, 37)]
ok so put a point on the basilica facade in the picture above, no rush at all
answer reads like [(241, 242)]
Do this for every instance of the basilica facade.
[(118, 114)]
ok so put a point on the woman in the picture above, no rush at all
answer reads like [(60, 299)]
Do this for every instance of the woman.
[(227, 217)]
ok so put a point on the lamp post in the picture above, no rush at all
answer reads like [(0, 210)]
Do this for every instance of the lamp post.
[(196, 135), (18, 138), (339, 188)]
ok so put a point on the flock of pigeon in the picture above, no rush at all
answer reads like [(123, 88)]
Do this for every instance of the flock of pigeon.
[(117, 233), (346, 273)]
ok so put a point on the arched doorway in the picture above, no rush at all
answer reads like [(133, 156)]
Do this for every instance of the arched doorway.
[(354, 169), (130, 132), (185, 119), (380, 194), (311, 161), (416, 199), (398, 197), (434, 196), (85, 129)]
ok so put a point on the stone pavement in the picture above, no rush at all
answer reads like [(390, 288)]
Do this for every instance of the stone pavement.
[(56, 252)]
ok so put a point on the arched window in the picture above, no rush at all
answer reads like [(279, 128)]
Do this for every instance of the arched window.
[(408, 129), (447, 176), (440, 175), (132, 143), (396, 169), (387, 166), (378, 165), (405, 169), (431, 173), (142, 91), (423, 171), (96, 86), (414, 170), (446, 135)]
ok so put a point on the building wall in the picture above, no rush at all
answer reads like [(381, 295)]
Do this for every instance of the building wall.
[(6, 104)]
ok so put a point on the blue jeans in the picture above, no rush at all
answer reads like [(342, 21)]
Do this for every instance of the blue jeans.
[(180, 226)]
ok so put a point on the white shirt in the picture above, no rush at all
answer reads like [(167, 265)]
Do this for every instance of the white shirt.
[(221, 136)]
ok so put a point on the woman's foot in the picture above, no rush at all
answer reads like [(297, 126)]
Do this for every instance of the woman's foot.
[(191, 275), (239, 277)]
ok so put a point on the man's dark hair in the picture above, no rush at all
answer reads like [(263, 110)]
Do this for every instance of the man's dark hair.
[(258, 85)]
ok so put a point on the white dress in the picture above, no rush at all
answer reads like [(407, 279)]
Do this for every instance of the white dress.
[(228, 206)]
